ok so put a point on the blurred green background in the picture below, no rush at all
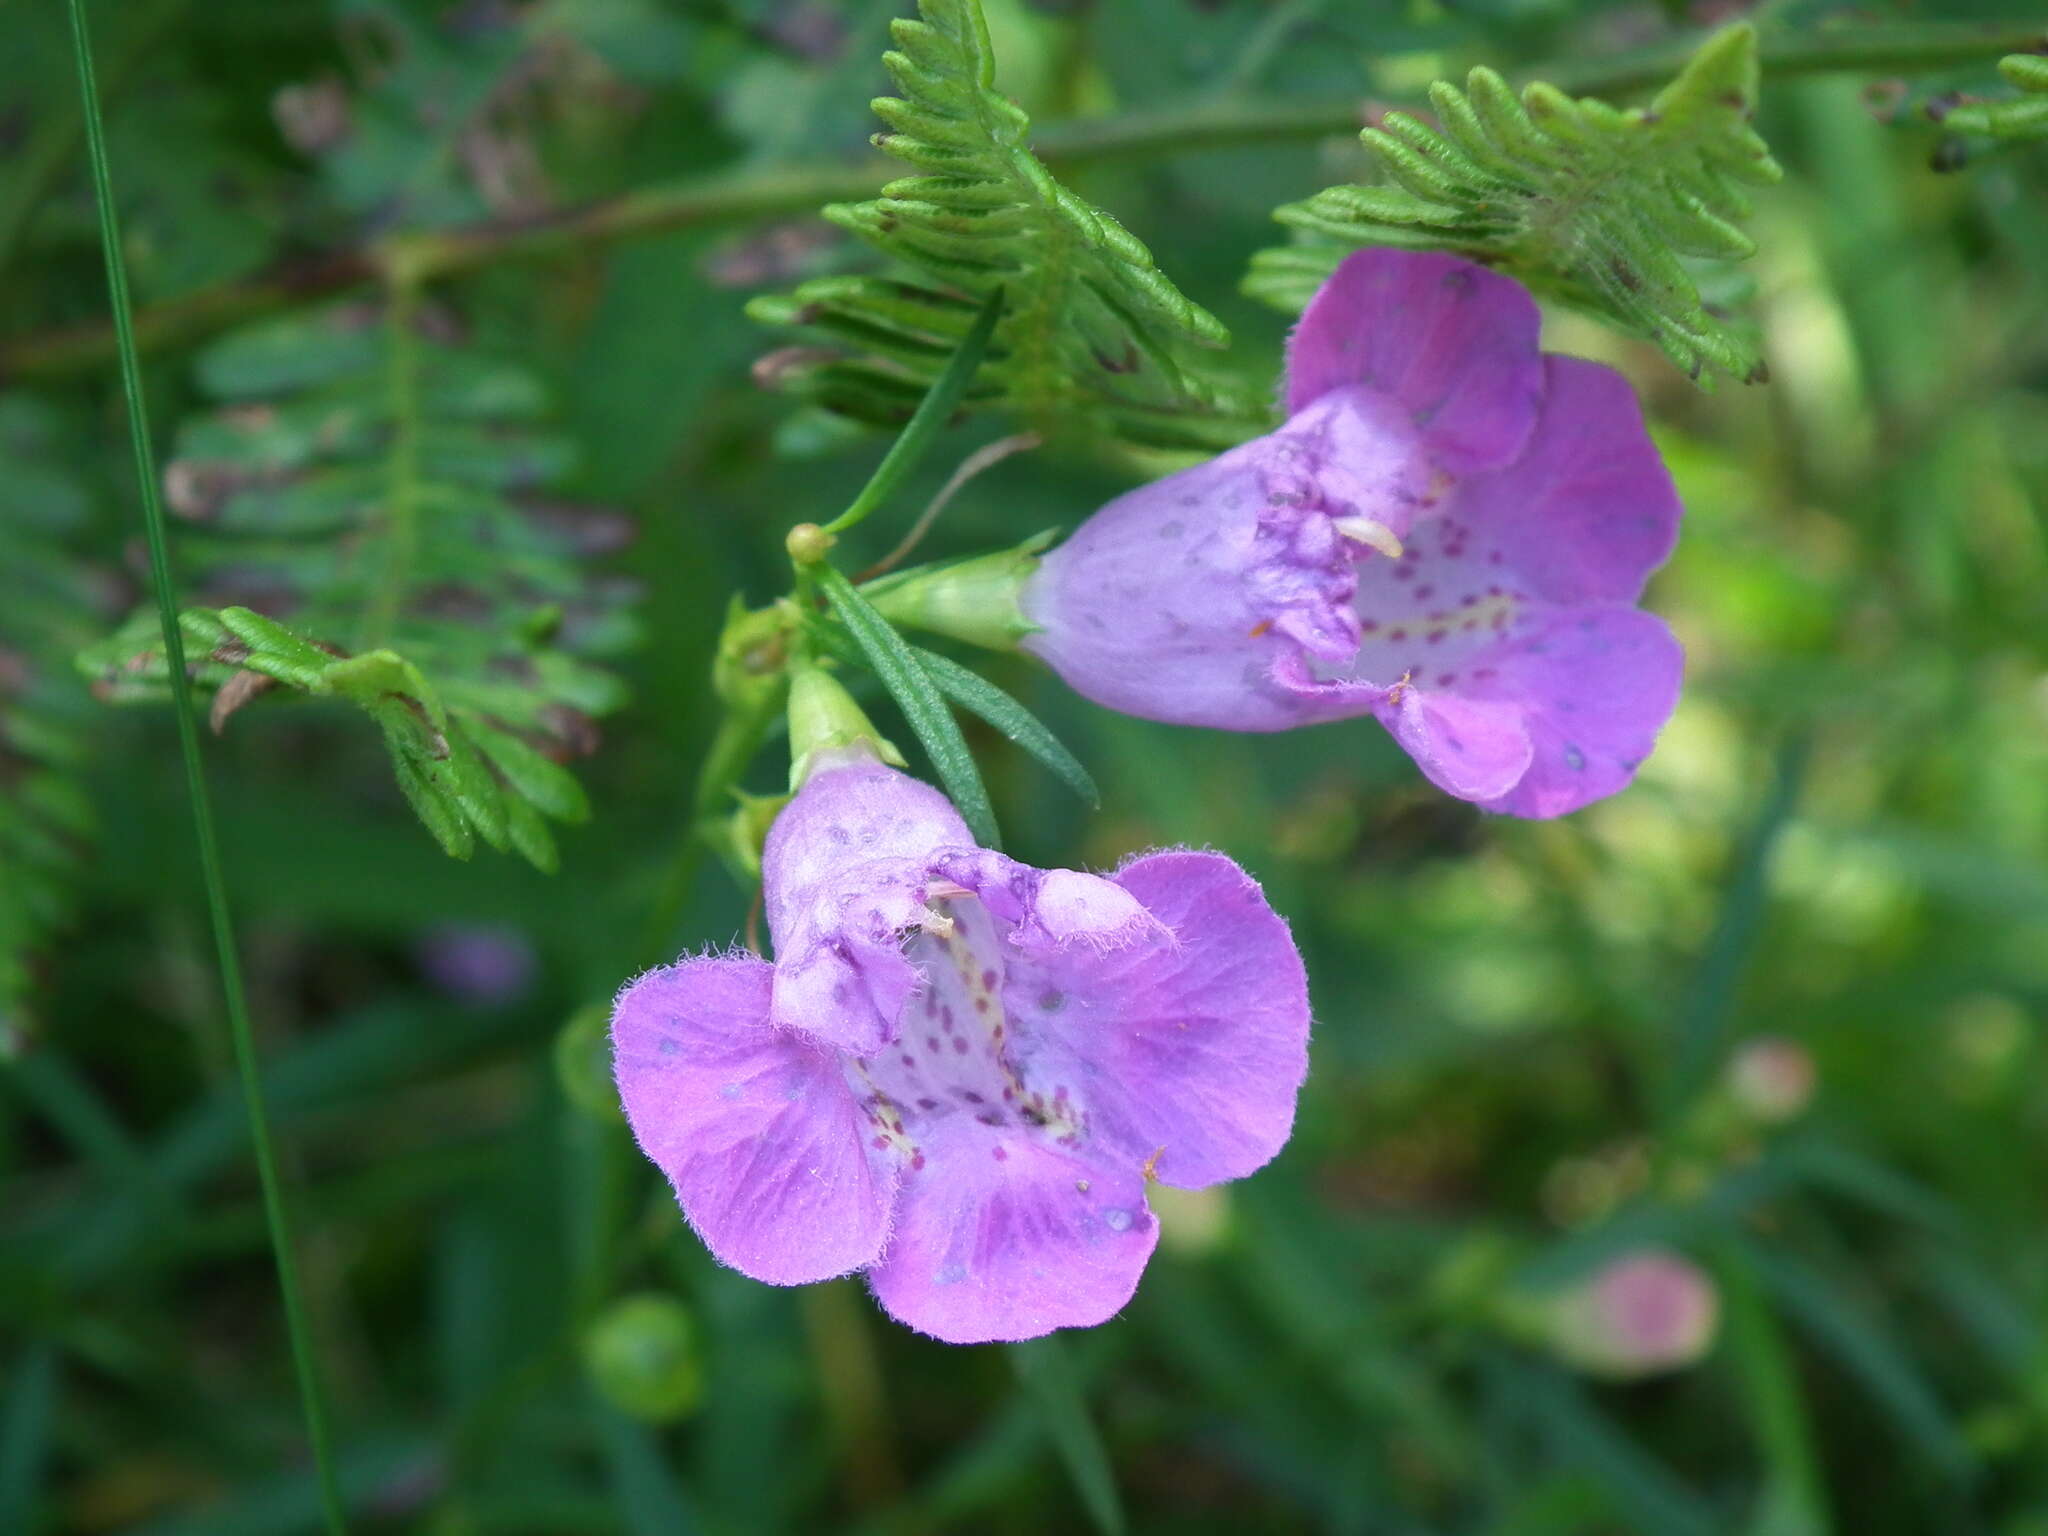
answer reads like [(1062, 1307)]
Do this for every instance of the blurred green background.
[(1536, 1046)]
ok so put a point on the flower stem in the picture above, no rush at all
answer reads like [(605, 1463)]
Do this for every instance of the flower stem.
[(232, 995)]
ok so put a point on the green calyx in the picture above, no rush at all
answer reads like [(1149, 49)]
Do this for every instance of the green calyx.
[(825, 724), (974, 600)]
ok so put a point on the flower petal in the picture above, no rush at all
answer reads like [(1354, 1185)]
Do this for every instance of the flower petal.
[(1589, 510), (1003, 1236), (755, 1127), (1147, 608), (842, 877), (1476, 749), (1594, 688), (1454, 343), (1183, 1048)]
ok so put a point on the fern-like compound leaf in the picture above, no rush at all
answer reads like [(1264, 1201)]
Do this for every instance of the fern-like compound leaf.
[(1093, 336), (46, 820), (1595, 206), (380, 494), (2024, 116)]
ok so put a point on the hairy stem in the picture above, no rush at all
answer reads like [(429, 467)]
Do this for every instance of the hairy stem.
[(737, 197), (232, 994)]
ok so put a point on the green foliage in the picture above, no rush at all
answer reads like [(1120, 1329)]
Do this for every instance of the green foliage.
[(1591, 205), (2024, 116), (384, 491), (46, 821), (1094, 338)]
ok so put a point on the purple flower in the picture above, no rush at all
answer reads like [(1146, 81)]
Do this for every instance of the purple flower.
[(1641, 1314), (960, 1071), (481, 963), (1449, 533)]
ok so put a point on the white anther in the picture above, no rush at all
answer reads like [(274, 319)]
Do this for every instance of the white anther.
[(1368, 530)]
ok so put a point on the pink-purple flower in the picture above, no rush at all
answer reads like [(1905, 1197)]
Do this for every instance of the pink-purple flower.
[(960, 1071), (1449, 533)]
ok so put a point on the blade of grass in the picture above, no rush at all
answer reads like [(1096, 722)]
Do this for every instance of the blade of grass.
[(920, 700), (1047, 1371), (26, 1417), (1793, 1501), (232, 996), (1702, 1022), (925, 423)]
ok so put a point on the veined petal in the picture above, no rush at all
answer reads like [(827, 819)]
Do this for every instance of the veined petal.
[(1004, 1236), (1476, 749), (1454, 343), (1594, 688), (1186, 1052), (1588, 510), (756, 1127)]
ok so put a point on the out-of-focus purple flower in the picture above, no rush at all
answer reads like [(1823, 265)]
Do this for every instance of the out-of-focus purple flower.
[(960, 1071), (1772, 1079), (1645, 1313), (1449, 533), (478, 963)]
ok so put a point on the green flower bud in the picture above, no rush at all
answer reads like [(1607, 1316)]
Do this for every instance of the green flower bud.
[(642, 1356), (583, 1063), (972, 600)]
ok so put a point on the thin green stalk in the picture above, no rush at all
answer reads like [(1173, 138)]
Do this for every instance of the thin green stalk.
[(1702, 1023), (232, 995), (933, 412)]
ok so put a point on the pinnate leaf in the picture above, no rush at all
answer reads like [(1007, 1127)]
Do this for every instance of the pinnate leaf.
[(1592, 205)]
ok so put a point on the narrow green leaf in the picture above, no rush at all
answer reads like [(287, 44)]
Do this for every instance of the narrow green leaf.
[(1895, 1383), (1794, 1501), (27, 1417), (1049, 1378), (976, 694), (983, 699), (932, 415), (918, 697)]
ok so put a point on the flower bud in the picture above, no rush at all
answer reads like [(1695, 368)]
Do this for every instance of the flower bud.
[(1771, 1079), (642, 1356), (583, 1063), (1642, 1314), (972, 600), (478, 963)]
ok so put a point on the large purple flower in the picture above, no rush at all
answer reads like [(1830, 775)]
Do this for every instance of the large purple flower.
[(1449, 533), (960, 1071)]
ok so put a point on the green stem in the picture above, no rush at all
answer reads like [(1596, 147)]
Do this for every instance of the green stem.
[(1702, 1021), (933, 412), (737, 197), (1857, 49), (232, 995)]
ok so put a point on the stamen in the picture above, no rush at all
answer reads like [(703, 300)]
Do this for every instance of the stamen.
[(1370, 530)]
